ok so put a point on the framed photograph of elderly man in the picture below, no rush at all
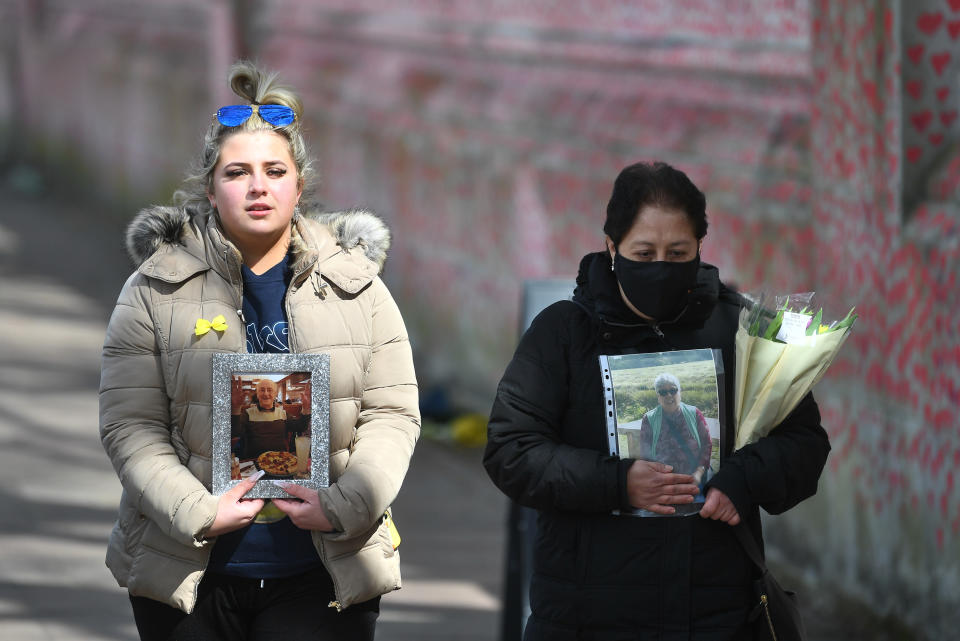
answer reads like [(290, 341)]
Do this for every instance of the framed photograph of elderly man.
[(667, 407), (271, 413)]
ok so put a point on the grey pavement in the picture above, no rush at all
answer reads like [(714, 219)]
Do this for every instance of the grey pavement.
[(60, 270)]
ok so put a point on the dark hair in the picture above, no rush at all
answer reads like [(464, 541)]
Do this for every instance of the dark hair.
[(657, 184)]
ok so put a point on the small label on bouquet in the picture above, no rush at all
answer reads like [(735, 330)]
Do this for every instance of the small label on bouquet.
[(794, 328)]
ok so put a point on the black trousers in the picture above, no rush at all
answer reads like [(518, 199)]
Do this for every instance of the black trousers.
[(239, 609)]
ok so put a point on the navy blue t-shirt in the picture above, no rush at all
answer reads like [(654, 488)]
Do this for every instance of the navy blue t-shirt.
[(263, 312), (272, 546)]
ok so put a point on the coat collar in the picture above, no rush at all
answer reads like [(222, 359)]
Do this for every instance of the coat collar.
[(172, 244), (598, 294)]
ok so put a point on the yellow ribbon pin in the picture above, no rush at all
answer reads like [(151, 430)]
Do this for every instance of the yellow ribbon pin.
[(219, 323), (394, 532)]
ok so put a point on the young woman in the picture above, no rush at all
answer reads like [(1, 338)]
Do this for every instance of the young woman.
[(199, 566), (600, 576)]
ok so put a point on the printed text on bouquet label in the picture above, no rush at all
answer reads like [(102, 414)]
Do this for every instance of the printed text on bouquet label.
[(794, 327)]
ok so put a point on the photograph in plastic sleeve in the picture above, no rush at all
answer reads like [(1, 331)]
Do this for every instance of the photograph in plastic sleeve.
[(666, 407)]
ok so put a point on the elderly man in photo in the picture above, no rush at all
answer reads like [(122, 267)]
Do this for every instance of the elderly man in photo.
[(265, 426)]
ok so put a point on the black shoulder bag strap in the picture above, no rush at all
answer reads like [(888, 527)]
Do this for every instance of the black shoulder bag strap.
[(750, 546)]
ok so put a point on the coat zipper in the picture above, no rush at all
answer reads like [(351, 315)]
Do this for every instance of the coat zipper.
[(291, 334), (766, 612), (336, 584), (663, 337), (659, 334), (290, 329), (295, 282), (654, 327)]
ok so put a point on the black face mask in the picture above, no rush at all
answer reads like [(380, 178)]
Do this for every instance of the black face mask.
[(657, 289)]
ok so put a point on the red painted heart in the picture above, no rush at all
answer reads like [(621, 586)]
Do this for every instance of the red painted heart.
[(914, 153), (870, 91), (915, 53), (915, 89), (954, 29), (942, 93), (929, 22), (921, 120), (954, 4), (935, 139), (940, 62), (947, 117)]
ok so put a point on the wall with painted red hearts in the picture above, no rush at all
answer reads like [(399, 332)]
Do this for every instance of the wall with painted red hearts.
[(886, 236), (929, 72)]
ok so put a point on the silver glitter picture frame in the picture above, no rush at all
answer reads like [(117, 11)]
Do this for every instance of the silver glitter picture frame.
[(230, 368)]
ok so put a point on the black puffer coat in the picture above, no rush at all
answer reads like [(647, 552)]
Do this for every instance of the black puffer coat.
[(599, 576)]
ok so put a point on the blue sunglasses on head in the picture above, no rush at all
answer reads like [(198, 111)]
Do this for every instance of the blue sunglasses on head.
[(233, 115)]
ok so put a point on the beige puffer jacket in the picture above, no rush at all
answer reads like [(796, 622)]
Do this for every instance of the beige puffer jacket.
[(155, 396)]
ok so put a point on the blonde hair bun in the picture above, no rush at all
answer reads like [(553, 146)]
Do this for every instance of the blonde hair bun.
[(262, 88)]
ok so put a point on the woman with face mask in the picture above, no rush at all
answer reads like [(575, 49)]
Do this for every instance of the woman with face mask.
[(601, 576)]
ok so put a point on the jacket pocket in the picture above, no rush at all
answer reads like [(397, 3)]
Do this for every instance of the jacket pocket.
[(131, 524), (385, 539), (165, 570), (363, 567), (192, 435), (557, 548), (134, 533), (377, 536), (125, 541)]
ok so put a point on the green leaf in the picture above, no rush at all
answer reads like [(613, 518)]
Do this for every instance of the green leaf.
[(848, 320), (815, 323), (774, 327)]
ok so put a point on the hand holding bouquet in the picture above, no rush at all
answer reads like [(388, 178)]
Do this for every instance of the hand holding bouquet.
[(781, 354)]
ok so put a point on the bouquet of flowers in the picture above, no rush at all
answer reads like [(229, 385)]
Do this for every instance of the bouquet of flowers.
[(781, 354)]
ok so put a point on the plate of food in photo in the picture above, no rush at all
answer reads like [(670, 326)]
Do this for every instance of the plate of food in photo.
[(277, 464)]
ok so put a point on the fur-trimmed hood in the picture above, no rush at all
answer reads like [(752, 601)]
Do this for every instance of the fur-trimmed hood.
[(156, 226)]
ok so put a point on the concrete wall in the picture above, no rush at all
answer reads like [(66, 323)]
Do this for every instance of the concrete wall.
[(109, 97), (488, 135)]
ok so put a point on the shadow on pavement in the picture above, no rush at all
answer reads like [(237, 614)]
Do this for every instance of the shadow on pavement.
[(63, 613), (77, 246)]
